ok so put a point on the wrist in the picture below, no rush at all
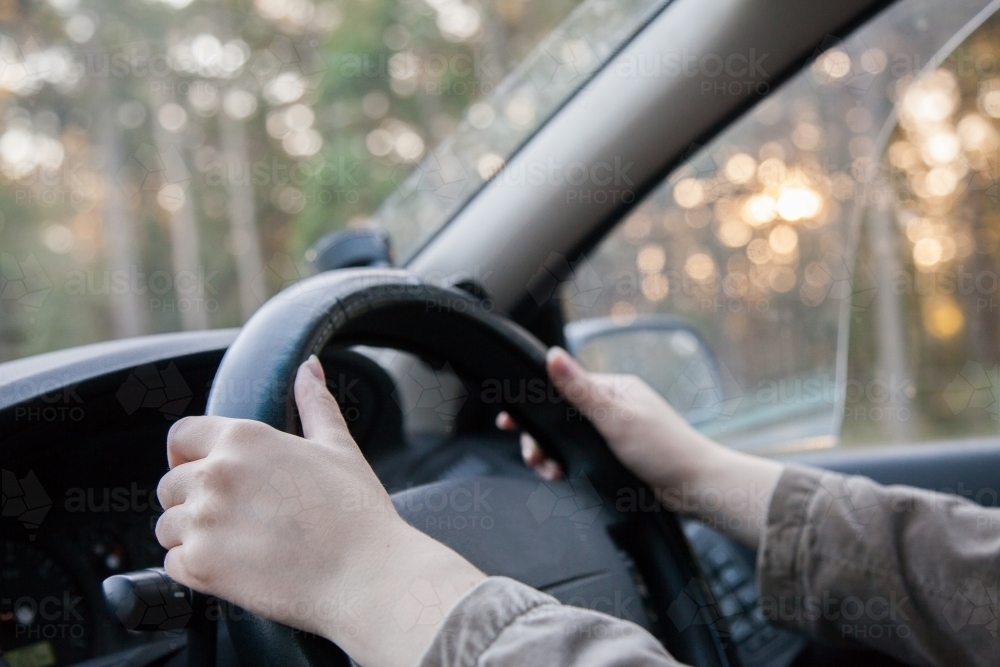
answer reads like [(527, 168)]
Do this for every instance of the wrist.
[(686, 460), (402, 587), (732, 490)]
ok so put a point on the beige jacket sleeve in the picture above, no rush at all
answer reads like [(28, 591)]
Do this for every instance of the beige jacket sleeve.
[(503, 623), (911, 573)]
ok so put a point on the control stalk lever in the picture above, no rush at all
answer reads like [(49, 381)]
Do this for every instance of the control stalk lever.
[(149, 600)]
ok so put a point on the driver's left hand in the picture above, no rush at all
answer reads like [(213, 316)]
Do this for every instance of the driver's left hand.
[(299, 530)]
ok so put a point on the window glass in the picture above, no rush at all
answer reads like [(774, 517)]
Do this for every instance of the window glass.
[(926, 351), (166, 164), (803, 266), (497, 126)]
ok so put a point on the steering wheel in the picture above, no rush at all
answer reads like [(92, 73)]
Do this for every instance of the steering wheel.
[(576, 553)]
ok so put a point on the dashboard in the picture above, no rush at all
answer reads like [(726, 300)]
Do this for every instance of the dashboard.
[(83, 452)]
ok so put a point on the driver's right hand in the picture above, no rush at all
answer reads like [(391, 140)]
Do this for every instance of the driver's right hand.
[(684, 467)]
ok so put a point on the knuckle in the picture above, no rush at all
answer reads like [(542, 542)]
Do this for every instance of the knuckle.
[(161, 528), (173, 564), (174, 434), (163, 491), (198, 565), (208, 518), (240, 431), (217, 473)]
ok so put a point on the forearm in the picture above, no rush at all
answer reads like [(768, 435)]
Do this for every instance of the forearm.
[(727, 490), (745, 485)]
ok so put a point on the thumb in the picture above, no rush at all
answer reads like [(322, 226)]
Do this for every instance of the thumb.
[(574, 382), (319, 412)]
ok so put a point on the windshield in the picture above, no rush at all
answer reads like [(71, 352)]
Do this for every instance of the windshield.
[(496, 127), (165, 165)]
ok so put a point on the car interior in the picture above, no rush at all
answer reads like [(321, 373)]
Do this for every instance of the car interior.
[(424, 344)]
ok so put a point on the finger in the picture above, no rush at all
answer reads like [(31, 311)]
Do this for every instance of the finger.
[(319, 412), (580, 388), (549, 470), (170, 528), (175, 486), (505, 422), (174, 564), (535, 459), (530, 451), (192, 438)]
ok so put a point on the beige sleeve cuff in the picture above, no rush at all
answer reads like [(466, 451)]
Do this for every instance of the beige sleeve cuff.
[(503, 623), (478, 618), (780, 561)]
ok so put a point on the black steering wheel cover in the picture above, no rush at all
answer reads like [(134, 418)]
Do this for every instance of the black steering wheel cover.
[(394, 308)]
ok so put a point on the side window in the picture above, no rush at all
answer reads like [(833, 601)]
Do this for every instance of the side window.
[(825, 271), (922, 361)]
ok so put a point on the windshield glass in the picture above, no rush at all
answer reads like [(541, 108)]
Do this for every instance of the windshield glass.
[(165, 165), (824, 271), (496, 127)]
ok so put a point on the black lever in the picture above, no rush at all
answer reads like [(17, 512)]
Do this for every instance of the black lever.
[(149, 600)]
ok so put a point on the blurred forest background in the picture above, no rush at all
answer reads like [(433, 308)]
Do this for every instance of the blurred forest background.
[(165, 164), (838, 247)]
